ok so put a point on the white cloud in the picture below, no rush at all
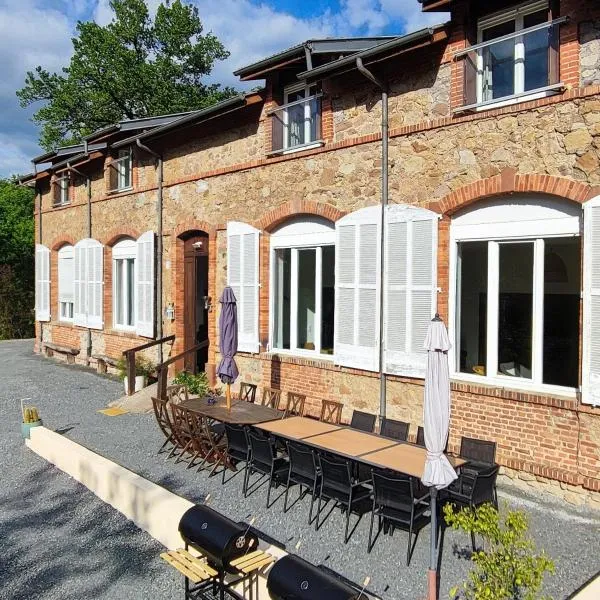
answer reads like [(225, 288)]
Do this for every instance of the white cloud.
[(411, 15)]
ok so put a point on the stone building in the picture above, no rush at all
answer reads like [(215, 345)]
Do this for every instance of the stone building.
[(493, 221)]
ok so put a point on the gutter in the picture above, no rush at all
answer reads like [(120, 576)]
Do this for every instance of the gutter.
[(384, 202), (159, 244)]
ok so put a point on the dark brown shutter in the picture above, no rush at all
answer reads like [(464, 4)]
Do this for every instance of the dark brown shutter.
[(553, 43), (470, 62)]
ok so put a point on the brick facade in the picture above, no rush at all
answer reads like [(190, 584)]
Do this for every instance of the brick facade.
[(221, 171)]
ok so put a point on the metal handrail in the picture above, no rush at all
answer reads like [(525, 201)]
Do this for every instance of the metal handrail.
[(163, 368), (509, 36), (130, 360), (295, 103)]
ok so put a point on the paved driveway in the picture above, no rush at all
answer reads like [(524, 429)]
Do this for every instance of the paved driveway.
[(49, 519)]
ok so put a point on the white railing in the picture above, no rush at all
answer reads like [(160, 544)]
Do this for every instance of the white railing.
[(296, 125)]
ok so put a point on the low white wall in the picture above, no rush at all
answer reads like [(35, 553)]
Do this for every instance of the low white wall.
[(151, 507)]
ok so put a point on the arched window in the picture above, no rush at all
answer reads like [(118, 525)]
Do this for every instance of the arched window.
[(515, 301), (124, 258), (303, 286), (66, 287)]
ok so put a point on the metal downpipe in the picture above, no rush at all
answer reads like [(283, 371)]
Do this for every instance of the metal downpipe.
[(384, 202)]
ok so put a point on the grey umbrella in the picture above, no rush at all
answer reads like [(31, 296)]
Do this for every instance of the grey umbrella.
[(438, 472), (228, 330)]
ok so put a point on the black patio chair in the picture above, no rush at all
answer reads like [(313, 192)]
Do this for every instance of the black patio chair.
[(339, 485), (481, 454), (238, 448), (363, 421), (420, 436), (305, 472), (396, 430), (396, 503), (263, 459), (473, 488)]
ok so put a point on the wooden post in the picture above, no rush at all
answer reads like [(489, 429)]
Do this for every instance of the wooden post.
[(130, 358), (228, 395)]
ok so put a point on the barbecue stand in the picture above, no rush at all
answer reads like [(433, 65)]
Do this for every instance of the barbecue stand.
[(225, 548)]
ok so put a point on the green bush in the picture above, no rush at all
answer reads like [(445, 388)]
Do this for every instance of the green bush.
[(143, 367), (196, 384), (508, 567)]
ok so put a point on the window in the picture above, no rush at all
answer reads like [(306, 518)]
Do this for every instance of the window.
[(61, 195), (123, 166), (124, 254), (66, 288), (517, 293), (303, 287), (297, 123)]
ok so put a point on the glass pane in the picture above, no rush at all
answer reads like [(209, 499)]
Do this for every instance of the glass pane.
[(130, 292), (498, 63), (282, 276), (306, 299), (119, 292), (562, 285), (327, 298), (472, 306), (515, 309), (536, 51), (295, 119)]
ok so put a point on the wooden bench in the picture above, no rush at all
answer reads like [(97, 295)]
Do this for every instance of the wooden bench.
[(103, 362), (71, 353)]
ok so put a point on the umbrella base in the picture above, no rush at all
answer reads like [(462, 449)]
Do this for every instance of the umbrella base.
[(432, 585)]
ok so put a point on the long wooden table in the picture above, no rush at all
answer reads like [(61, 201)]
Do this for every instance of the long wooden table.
[(241, 413), (367, 448)]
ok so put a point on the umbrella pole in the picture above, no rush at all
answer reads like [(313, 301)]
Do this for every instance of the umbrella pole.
[(432, 576), (228, 395)]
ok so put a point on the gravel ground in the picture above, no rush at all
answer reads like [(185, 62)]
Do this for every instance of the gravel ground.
[(69, 398)]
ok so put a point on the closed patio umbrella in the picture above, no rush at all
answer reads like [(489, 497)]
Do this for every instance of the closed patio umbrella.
[(227, 369), (438, 472)]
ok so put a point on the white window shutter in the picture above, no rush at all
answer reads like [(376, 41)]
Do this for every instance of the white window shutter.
[(79, 284), (42, 283), (591, 304), (144, 285), (95, 284), (243, 277), (357, 289), (410, 292)]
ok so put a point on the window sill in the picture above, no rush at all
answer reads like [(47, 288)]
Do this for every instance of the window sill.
[(122, 332), (60, 204), (65, 323), (305, 354), (528, 96), (120, 190), (293, 149)]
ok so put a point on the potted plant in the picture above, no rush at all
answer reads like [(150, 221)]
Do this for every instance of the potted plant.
[(143, 370), (196, 385), (31, 418)]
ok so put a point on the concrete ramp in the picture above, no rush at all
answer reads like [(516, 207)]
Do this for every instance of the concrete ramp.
[(140, 402)]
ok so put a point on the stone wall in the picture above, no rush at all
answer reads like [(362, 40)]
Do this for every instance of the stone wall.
[(589, 52)]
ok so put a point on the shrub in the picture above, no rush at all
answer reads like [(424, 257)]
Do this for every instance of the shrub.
[(143, 367), (195, 384), (508, 567)]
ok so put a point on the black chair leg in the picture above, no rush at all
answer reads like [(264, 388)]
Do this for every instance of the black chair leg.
[(285, 498), (269, 489), (371, 544), (312, 502)]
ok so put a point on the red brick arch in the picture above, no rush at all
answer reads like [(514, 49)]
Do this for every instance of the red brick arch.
[(510, 182), (192, 224), (62, 240), (297, 207), (122, 232)]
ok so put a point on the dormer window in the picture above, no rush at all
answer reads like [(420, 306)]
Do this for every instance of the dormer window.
[(297, 123), (61, 190), (513, 58), (121, 171)]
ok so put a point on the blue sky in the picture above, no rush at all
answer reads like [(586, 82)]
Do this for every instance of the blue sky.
[(38, 32)]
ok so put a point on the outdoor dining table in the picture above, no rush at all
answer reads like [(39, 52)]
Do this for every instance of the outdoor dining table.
[(297, 428), (241, 412)]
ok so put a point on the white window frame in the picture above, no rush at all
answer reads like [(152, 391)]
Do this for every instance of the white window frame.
[(62, 183), (300, 233), (122, 251), (516, 14), (307, 145), (123, 164), (66, 253), (510, 226)]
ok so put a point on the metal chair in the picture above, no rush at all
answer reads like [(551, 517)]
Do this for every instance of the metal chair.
[(238, 449), (161, 412), (304, 471), (395, 503), (420, 436), (263, 459), (331, 412), (271, 398), (339, 485), (479, 452), (247, 392), (395, 430), (363, 421), (295, 405)]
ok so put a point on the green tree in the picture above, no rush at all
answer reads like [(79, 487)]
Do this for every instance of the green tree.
[(133, 67), (16, 261)]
